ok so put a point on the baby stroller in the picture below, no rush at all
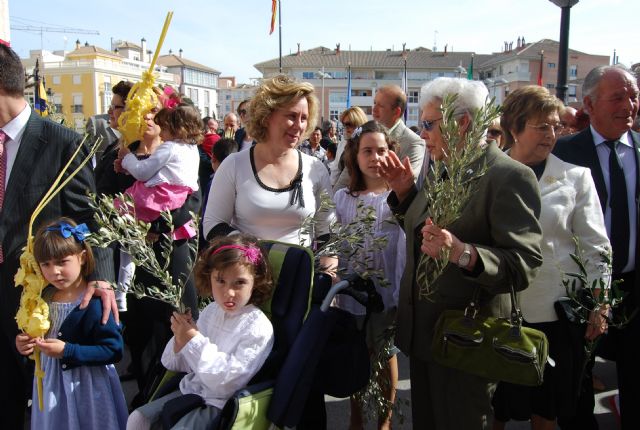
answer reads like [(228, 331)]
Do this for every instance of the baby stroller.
[(317, 350)]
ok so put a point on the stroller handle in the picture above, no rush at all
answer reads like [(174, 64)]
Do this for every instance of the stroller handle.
[(362, 290)]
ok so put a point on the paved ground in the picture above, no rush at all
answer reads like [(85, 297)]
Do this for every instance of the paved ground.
[(338, 409)]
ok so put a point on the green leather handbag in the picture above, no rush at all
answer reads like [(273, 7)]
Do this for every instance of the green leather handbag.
[(499, 349)]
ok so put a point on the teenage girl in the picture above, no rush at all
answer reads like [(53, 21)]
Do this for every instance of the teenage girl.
[(367, 146)]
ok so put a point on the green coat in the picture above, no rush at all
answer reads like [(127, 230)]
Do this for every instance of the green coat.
[(501, 221)]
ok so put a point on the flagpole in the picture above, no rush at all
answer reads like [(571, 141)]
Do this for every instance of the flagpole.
[(280, 32), (541, 64)]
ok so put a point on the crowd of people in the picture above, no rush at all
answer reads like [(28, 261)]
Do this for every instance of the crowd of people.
[(555, 180)]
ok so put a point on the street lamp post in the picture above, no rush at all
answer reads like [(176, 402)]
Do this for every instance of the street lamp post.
[(322, 75), (563, 54)]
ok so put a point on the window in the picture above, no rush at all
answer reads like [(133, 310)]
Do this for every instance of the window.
[(337, 97), (572, 90), (76, 107), (573, 71), (387, 75), (193, 95), (551, 65), (57, 103), (206, 100), (77, 79), (334, 114), (412, 97), (551, 86), (361, 93), (308, 75), (339, 75), (412, 116), (56, 80), (420, 76)]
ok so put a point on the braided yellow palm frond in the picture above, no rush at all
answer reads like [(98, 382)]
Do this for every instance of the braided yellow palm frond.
[(141, 98)]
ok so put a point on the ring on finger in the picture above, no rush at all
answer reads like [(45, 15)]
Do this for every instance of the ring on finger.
[(430, 237)]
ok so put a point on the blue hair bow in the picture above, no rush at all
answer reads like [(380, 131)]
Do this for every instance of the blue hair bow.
[(80, 232)]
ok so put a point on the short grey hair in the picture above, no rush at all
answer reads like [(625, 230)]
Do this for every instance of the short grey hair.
[(472, 95), (591, 81)]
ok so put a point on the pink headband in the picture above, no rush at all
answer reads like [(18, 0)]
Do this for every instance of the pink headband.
[(251, 252)]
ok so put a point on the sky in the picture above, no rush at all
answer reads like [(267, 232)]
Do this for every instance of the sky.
[(232, 36)]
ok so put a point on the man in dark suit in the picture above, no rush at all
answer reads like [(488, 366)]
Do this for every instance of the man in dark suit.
[(612, 152), (33, 152)]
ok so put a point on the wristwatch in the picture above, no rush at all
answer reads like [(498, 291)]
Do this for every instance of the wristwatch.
[(465, 257)]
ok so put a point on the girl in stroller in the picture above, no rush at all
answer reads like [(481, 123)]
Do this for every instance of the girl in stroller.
[(230, 341)]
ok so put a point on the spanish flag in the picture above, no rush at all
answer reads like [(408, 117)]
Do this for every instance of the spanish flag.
[(274, 7)]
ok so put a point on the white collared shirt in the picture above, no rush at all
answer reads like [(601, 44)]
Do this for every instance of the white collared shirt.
[(627, 157), (14, 130)]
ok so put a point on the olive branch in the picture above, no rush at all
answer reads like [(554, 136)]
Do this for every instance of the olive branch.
[(118, 225), (450, 183)]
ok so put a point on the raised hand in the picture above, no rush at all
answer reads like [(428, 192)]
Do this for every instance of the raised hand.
[(397, 174)]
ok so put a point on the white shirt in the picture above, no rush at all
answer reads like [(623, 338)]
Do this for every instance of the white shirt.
[(227, 352), (236, 198), (14, 130), (628, 159), (173, 163), (390, 260)]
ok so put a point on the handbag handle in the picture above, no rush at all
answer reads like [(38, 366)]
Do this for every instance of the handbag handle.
[(471, 311)]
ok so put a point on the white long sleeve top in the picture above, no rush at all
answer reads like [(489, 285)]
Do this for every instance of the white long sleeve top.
[(227, 352), (390, 260), (173, 162), (570, 207), (238, 199)]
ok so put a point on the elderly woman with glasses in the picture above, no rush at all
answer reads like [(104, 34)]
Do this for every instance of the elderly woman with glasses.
[(494, 245), (351, 119), (570, 209)]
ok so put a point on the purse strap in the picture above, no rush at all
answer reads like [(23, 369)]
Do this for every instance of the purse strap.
[(471, 311)]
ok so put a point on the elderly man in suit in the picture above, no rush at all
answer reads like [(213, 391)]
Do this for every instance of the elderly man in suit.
[(494, 246), (389, 105), (33, 151), (612, 151)]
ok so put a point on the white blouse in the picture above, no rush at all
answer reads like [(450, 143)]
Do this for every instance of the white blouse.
[(390, 260), (227, 352), (173, 163), (570, 207), (238, 199)]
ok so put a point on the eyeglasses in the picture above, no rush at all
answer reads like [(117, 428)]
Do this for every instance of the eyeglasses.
[(428, 125), (242, 112), (546, 128), (348, 125), (115, 107), (494, 132)]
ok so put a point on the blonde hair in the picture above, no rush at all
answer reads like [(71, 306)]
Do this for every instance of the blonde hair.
[(355, 115), (275, 93)]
